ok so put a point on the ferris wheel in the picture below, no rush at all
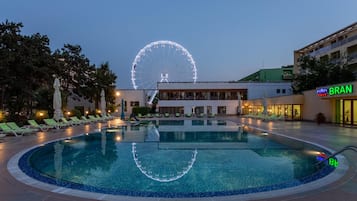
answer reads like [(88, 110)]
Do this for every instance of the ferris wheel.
[(162, 61)]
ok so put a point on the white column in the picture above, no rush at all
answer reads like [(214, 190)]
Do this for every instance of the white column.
[(187, 109), (214, 109)]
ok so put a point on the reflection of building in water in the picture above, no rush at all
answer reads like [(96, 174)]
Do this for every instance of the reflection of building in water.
[(129, 133), (300, 163), (58, 159), (290, 151), (103, 141), (202, 136), (181, 130), (201, 131), (199, 134)]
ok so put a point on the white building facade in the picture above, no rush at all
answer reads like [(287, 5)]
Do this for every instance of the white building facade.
[(127, 99), (222, 98)]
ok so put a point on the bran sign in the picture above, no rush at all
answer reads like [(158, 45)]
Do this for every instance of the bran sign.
[(335, 90)]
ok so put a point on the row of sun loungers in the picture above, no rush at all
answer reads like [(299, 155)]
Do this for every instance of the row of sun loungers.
[(13, 129)]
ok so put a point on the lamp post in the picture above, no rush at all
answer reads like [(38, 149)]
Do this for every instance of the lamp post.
[(117, 103), (122, 115)]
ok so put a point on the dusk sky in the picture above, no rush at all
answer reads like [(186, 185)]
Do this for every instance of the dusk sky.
[(228, 39)]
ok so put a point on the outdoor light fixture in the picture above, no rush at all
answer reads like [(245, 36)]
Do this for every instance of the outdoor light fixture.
[(68, 140)]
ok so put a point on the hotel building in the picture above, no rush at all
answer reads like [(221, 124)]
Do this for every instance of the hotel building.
[(338, 47), (218, 98), (261, 93)]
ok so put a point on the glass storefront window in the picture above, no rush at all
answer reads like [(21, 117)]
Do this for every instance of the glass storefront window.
[(346, 112), (354, 106), (288, 112), (347, 115), (296, 112), (339, 112)]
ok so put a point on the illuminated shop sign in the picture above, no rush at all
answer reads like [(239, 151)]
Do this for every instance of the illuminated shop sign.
[(335, 90)]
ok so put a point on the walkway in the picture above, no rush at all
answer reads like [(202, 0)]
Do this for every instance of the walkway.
[(330, 136)]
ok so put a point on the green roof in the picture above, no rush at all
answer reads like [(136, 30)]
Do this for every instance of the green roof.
[(271, 75)]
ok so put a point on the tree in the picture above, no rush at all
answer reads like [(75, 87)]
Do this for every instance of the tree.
[(316, 73), (28, 69), (37, 71), (79, 77), (105, 79), (9, 37), (74, 71), (24, 63)]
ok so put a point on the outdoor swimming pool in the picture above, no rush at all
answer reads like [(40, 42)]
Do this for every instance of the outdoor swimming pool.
[(181, 158)]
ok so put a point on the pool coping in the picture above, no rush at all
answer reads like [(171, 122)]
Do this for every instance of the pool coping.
[(335, 175)]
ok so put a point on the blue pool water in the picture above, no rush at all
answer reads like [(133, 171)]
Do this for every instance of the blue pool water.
[(176, 159)]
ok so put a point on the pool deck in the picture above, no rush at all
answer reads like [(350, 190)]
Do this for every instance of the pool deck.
[(330, 136)]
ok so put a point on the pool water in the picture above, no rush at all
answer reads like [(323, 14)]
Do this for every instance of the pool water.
[(176, 159)]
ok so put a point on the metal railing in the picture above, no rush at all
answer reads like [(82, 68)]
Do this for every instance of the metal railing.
[(333, 46)]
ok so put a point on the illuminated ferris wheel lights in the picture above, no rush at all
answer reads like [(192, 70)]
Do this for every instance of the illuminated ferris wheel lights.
[(141, 73)]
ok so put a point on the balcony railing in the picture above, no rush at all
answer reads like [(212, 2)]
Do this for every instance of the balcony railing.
[(332, 46)]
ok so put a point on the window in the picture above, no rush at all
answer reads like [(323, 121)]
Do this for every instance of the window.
[(214, 95), (234, 95), (324, 59), (134, 103), (221, 109), (222, 95), (335, 55), (189, 95), (278, 91), (283, 91), (163, 96)]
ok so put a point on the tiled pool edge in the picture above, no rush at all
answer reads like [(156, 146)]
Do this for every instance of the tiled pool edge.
[(15, 171)]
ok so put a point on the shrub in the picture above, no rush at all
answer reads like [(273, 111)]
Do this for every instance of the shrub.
[(76, 112), (141, 110), (320, 118)]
